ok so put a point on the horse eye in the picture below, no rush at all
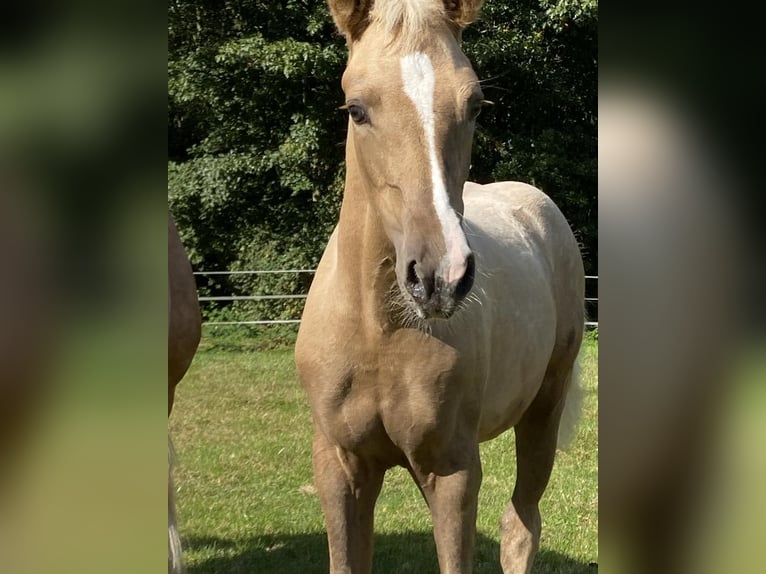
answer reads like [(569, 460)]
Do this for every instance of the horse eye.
[(358, 114)]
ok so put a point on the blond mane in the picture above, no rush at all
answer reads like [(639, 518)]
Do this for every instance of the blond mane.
[(407, 21)]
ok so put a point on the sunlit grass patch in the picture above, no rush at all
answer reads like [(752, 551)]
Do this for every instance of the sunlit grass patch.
[(246, 501)]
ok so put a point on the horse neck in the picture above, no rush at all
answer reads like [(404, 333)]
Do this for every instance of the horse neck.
[(365, 254)]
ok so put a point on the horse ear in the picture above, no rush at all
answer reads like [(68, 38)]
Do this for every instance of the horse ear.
[(350, 16), (462, 12)]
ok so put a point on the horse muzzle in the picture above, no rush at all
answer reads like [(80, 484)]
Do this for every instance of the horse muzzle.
[(432, 294)]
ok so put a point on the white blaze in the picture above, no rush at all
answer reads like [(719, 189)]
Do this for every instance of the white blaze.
[(418, 80)]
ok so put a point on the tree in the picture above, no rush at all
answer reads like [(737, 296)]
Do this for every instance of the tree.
[(255, 172)]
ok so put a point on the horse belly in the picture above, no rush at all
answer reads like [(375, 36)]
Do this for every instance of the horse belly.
[(507, 396), (504, 354), (514, 311), (520, 348)]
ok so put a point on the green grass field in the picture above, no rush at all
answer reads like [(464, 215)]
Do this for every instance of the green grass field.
[(246, 501)]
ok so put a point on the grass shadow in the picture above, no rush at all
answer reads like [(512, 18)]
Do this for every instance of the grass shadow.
[(408, 553)]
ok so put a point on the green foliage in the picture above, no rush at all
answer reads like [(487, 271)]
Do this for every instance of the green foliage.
[(562, 13), (255, 176), (254, 129)]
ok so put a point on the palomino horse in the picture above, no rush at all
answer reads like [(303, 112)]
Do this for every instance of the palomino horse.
[(184, 331), (402, 366)]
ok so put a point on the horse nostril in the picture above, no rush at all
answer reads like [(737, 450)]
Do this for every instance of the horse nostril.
[(466, 281), (421, 288), (413, 283), (412, 276)]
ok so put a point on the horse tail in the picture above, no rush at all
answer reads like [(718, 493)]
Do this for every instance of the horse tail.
[(572, 408), (175, 557)]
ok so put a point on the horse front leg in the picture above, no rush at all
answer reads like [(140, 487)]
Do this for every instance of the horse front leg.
[(348, 487), (451, 489)]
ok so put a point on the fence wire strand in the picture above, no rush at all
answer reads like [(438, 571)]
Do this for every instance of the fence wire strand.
[(294, 296)]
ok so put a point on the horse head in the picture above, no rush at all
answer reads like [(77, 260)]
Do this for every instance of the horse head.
[(413, 99)]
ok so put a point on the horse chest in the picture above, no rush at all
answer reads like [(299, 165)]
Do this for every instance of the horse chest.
[(347, 409), (394, 398)]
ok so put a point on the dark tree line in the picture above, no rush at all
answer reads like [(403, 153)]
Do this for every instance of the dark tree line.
[(256, 139)]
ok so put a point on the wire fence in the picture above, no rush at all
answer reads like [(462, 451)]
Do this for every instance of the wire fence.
[(591, 302)]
